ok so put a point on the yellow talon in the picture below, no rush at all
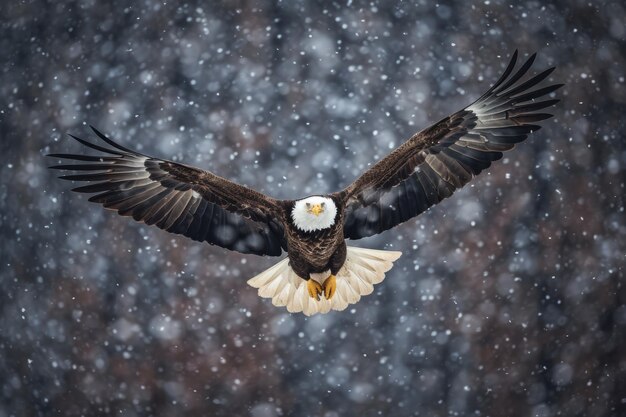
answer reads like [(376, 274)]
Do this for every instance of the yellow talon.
[(330, 286), (315, 289)]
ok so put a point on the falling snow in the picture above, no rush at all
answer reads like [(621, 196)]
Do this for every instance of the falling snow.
[(509, 298)]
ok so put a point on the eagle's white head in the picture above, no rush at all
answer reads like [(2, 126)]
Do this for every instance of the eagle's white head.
[(314, 213)]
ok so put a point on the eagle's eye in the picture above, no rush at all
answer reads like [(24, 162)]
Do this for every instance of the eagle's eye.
[(323, 204), (308, 205)]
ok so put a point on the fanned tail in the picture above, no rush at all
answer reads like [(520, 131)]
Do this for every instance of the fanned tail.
[(363, 269)]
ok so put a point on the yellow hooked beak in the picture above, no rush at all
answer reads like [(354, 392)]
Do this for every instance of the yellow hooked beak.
[(316, 209)]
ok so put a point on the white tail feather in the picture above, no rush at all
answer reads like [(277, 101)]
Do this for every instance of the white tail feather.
[(363, 269)]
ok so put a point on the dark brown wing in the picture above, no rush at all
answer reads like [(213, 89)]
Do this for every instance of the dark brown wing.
[(435, 162), (178, 198)]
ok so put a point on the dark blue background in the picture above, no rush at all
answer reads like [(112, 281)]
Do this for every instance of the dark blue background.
[(509, 299)]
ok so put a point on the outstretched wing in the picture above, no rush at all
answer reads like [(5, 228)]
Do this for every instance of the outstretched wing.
[(435, 162), (178, 198)]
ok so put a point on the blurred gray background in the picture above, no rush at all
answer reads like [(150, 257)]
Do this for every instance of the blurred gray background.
[(509, 299)]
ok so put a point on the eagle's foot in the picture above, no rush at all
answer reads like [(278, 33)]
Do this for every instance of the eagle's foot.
[(330, 286), (314, 288)]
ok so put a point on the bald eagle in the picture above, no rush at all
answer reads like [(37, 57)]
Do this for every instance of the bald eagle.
[(320, 271)]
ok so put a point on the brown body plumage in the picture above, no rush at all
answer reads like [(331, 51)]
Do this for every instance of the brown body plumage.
[(315, 251)]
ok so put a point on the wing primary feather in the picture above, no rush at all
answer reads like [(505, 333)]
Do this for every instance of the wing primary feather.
[(508, 130), (502, 140), (531, 118), (106, 176), (485, 146), (528, 84), (525, 108), (87, 158), (112, 143), (537, 93), (504, 76), (502, 109), (93, 167), (94, 146), (519, 74)]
